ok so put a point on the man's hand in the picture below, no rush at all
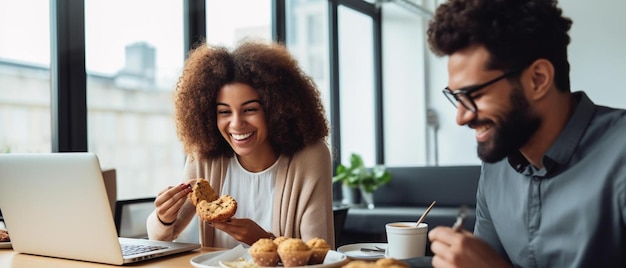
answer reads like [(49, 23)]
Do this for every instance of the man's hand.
[(461, 249)]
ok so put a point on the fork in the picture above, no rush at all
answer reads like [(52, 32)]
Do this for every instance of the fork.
[(460, 219), (375, 249)]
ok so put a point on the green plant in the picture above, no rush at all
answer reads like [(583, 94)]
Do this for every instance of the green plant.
[(357, 175)]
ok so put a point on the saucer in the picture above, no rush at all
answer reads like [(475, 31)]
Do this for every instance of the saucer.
[(353, 251)]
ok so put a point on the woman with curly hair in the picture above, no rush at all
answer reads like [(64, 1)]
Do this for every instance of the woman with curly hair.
[(253, 124)]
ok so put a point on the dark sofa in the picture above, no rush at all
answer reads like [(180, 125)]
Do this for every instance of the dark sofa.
[(407, 196)]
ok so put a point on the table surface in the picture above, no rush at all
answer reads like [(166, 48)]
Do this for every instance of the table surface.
[(12, 259)]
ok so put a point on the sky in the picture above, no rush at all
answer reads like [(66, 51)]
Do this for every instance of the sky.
[(112, 24), (24, 30)]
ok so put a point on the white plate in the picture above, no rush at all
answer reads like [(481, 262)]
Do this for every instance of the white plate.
[(353, 251), (333, 259), (5, 245), (201, 261)]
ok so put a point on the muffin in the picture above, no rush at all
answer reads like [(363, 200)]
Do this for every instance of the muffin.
[(380, 263), (360, 264), (279, 240), (391, 263), (209, 206), (264, 252), (202, 190), (294, 252), (219, 210), (319, 248)]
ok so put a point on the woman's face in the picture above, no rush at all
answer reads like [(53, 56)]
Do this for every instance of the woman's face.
[(241, 120)]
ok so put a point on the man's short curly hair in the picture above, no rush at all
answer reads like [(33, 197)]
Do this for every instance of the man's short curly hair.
[(294, 112), (515, 32)]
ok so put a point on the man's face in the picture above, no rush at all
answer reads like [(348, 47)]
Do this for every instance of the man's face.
[(503, 120), (516, 128)]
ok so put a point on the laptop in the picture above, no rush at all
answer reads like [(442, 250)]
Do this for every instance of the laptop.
[(56, 205)]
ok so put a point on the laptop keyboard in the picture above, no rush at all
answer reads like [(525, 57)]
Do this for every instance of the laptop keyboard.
[(128, 249)]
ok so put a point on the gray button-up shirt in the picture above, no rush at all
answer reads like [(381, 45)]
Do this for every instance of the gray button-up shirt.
[(571, 212)]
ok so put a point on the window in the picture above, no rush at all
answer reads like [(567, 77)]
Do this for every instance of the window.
[(404, 86), (307, 40), (356, 85), (229, 22), (132, 68), (25, 76)]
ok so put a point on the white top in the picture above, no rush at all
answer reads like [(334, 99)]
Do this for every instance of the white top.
[(254, 193)]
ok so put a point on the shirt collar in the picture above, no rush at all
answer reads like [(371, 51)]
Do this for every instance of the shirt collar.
[(563, 148)]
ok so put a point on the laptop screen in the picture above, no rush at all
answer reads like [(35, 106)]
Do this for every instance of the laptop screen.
[(56, 205)]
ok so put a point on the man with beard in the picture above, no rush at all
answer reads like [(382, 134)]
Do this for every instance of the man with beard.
[(552, 190)]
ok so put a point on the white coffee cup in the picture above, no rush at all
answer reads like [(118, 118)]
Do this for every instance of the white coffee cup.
[(405, 240)]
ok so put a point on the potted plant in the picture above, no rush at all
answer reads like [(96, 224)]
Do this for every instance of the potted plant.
[(356, 175)]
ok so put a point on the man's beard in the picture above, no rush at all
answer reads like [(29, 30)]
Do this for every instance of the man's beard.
[(516, 129)]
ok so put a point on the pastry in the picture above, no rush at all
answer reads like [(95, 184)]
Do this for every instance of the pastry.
[(202, 190), (360, 264), (264, 252), (319, 249), (279, 240), (208, 206), (380, 263), (391, 263), (220, 210), (294, 252)]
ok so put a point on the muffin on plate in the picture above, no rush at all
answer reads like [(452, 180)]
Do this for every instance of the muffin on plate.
[(391, 263), (294, 252), (360, 264), (280, 239), (264, 252), (319, 249)]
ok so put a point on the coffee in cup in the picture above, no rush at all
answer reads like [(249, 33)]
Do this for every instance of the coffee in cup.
[(406, 240)]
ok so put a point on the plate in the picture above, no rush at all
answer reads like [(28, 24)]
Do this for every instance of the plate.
[(208, 260), (353, 251), (201, 261), (5, 245)]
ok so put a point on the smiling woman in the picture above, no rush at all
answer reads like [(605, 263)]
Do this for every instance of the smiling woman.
[(241, 121), (253, 124)]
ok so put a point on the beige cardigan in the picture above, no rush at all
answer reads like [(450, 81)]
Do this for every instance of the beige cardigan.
[(302, 206)]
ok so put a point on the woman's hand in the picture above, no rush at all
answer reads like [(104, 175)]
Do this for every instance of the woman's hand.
[(243, 230), (461, 249), (169, 201)]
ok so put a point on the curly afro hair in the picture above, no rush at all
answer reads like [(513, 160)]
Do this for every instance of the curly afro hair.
[(293, 108), (515, 32)]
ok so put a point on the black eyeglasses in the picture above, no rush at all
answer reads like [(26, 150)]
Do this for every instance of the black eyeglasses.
[(463, 95)]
